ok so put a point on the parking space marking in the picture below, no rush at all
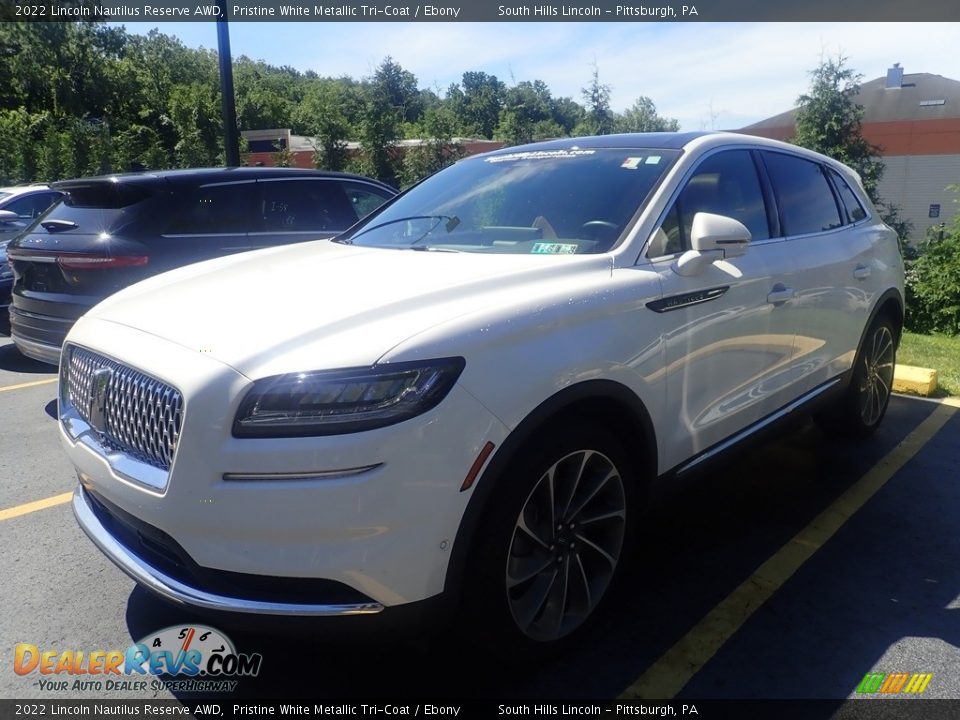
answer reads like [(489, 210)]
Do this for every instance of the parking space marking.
[(676, 667), (30, 507), (28, 384)]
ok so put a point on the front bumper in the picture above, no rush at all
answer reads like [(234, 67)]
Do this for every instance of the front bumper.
[(171, 589)]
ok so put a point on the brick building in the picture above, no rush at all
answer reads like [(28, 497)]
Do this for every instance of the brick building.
[(915, 121)]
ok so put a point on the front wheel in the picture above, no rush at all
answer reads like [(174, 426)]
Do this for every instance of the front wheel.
[(863, 406), (555, 539)]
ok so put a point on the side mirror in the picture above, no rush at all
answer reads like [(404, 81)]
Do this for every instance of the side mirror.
[(713, 238), (8, 216)]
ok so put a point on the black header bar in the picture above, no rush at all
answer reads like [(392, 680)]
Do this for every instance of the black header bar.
[(154, 11)]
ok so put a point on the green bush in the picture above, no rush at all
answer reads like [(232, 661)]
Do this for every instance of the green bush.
[(933, 285)]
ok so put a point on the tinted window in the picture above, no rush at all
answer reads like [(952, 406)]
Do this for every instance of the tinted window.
[(848, 199), (541, 202), (365, 198), (105, 195), (304, 206), (214, 209), (723, 184), (806, 202)]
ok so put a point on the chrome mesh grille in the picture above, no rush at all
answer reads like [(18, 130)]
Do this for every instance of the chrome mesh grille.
[(141, 415)]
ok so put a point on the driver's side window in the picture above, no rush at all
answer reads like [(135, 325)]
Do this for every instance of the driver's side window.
[(723, 184)]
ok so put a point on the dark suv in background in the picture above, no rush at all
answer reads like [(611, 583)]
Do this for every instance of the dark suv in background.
[(112, 231)]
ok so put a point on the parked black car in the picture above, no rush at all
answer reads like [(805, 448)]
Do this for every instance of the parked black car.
[(112, 231)]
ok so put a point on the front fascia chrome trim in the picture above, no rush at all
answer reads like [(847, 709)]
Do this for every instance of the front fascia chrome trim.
[(313, 475), (125, 466), (759, 425), (177, 592)]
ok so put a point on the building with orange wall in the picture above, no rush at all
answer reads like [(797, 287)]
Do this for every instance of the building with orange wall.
[(915, 121)]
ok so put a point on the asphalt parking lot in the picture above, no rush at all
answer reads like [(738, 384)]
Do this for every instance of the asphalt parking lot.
[(790, 573)]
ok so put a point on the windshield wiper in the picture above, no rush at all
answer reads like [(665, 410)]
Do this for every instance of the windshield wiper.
[(451, 222), (432, 248)]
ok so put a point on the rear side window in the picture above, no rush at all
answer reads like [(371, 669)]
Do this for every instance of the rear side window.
[(304, 206), (100, 206), (105, 195), (848, 198), (365, 198), (723, 184), (805, 200), (215, 210)]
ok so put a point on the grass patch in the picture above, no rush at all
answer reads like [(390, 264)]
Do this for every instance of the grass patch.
[(940, 352)]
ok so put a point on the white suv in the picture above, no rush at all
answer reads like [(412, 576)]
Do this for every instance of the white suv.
[(467, 395)]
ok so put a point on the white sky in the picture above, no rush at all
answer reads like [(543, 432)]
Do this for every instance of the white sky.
[(707, 75)]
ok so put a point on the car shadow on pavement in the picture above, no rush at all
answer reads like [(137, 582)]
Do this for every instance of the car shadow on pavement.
[(329, 660), (882, 579), (12, 360)]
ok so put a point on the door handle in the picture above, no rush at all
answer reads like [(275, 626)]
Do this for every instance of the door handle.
[(780, 294), (861, 272)]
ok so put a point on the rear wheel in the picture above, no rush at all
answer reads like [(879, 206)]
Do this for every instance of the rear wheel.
[(864, 404), (555, 540)]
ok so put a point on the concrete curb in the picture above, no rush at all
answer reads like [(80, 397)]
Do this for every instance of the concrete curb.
[(914, 380)]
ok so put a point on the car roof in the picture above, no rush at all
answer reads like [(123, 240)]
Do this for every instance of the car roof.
[(24, 189), (661, 140), (197, 176)]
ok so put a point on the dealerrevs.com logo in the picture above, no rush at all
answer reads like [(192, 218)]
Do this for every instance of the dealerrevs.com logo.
[(199, 658)]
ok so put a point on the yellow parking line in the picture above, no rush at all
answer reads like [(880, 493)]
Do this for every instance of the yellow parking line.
[(675, 668), (28, 384), (30, 507)]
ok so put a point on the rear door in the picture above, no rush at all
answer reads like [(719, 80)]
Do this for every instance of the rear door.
[(206, 221), (727, 331), (830, 240)]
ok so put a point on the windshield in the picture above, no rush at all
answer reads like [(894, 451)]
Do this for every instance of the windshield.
[(545, 202)]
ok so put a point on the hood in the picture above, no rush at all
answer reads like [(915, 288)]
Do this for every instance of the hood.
[(325, 305)]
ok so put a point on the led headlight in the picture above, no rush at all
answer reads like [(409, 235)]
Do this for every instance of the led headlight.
[(344, 401)]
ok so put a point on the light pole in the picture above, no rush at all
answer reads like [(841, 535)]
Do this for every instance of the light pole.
[(231, 144)]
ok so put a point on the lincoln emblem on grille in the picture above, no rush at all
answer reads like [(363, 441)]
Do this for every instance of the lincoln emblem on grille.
[(97, 411)]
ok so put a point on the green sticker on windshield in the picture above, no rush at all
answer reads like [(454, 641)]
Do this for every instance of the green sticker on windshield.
[(554, 248)]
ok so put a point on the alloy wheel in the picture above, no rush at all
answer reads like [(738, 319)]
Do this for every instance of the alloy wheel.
[(566, 545), (876, 375)]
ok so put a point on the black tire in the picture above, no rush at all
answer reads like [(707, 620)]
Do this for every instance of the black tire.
[(535, 582), (861, 409)]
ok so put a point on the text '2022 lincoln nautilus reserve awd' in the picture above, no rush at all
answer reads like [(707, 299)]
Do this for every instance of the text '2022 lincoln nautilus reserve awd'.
[(466, 396)]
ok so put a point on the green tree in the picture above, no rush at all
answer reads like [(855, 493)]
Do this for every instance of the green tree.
[(476, 103), (389, 98), (642, 117), (596, 100), (933, 283), (437, 149), (527, 114)]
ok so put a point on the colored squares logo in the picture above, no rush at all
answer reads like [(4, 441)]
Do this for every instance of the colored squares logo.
[(894, 683)]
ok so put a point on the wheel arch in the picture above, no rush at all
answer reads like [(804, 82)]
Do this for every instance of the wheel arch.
[(889, 305), (606, 402)]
